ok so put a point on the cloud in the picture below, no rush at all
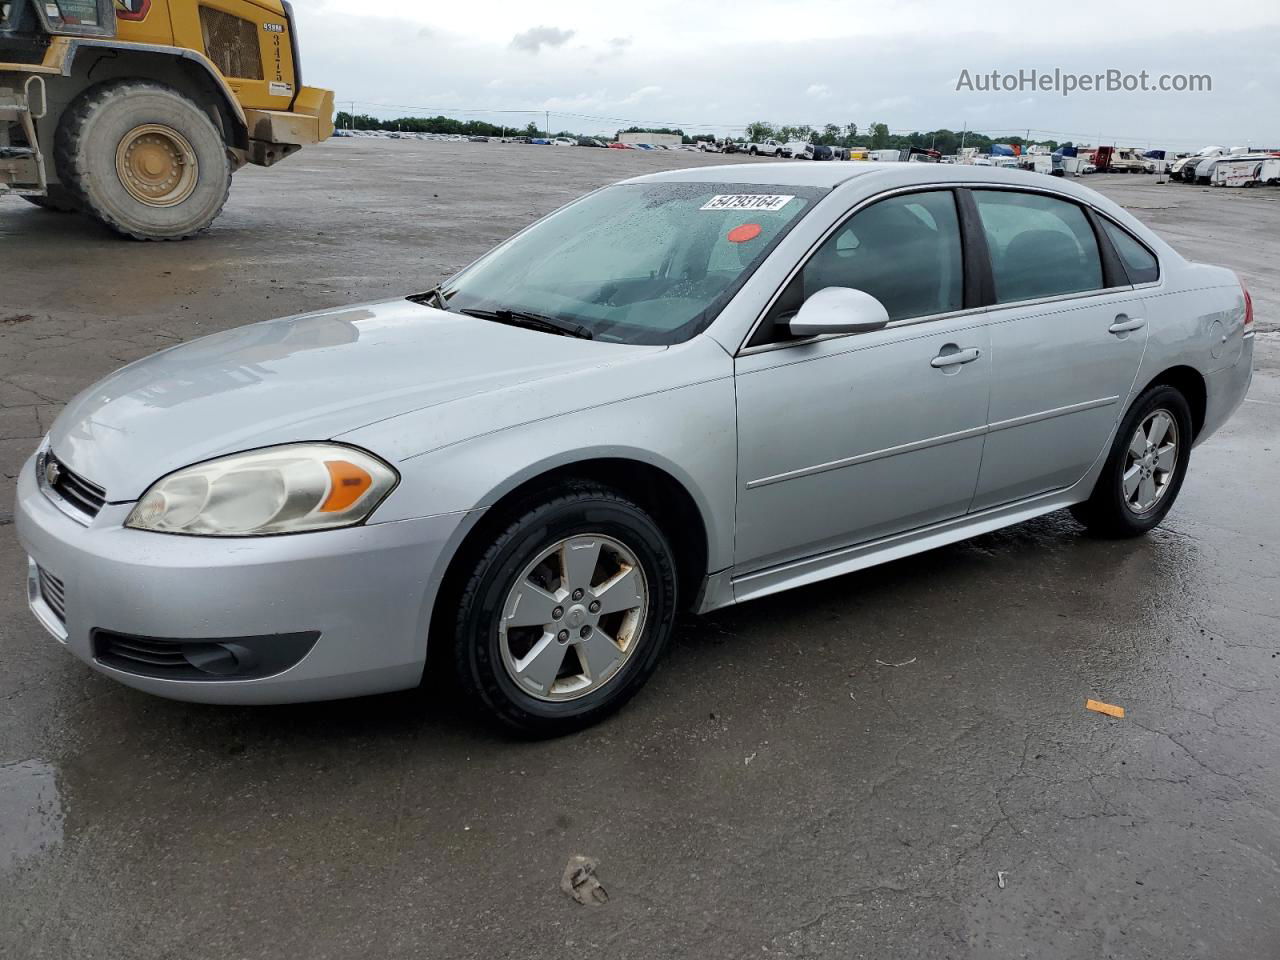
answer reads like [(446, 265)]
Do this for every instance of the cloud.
[(619, 43), (819, 91), (644, 93), (535, 38)]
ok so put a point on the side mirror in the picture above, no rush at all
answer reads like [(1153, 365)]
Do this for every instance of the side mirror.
[(838, 310)]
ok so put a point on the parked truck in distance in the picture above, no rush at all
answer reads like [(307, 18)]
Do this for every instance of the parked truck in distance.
[(766, 148)]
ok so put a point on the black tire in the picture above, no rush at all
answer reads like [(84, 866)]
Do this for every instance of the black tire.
[(753, 151), (1106, 513), (581, 508), (57, 199), (95, 126)]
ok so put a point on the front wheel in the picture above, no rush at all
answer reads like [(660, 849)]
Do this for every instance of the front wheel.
[(567, 613), (1145, 468), (144, 159)]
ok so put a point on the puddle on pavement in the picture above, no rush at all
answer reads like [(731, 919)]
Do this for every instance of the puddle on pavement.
[(31, 813)]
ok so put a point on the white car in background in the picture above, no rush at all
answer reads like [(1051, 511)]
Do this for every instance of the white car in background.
[(769, 148), (798, 150)]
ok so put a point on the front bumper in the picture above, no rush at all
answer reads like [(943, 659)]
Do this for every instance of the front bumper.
[(368, 591)]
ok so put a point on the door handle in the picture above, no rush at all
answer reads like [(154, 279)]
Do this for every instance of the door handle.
[(955, 357), (1125, 324)]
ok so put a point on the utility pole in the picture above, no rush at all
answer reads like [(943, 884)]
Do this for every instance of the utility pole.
[(548, 119), (964, 134)]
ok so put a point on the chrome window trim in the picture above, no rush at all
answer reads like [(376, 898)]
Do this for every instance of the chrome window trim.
[(746, 351)]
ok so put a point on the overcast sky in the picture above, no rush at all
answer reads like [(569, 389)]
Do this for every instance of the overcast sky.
[(597, 66)]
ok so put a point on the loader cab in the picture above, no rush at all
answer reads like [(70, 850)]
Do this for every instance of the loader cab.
[(34, 21)]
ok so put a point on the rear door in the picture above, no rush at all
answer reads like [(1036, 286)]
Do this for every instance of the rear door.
[(1068, 333)]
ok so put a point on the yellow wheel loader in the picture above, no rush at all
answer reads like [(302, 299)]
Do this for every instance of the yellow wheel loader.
[(137, 112)]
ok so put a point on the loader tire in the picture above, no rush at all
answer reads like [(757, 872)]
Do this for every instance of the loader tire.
[(58, 199), (144, 159)]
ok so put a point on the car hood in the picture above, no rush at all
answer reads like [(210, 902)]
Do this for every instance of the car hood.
[(310, 377)]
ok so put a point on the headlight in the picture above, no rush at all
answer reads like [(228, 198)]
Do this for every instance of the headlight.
[(286, 489)]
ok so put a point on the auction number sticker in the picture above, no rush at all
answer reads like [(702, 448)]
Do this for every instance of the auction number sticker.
[(748, 201)]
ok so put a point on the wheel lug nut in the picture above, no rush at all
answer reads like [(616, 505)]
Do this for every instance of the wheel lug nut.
[(595, 606), (557, 613), (578, 594), (563, 636), (585, 632)]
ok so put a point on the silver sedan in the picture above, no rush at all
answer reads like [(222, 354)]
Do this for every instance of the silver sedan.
[(681, 391)]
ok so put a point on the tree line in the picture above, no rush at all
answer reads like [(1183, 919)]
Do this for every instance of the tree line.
[(875, 136)]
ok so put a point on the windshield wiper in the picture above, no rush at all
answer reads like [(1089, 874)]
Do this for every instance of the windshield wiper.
[(432, 298), (532, 321)]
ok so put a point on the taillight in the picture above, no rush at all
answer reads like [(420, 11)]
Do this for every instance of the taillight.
[(1248, 308)]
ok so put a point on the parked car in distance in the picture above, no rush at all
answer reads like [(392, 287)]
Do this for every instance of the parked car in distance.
[(798, 149), (563, 142), (683, 391), (766, 148)]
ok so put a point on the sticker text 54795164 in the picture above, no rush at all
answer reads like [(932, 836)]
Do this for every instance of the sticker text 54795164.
[(747, 201)]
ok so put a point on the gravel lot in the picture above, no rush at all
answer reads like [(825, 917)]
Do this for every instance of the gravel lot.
[(847, 770)]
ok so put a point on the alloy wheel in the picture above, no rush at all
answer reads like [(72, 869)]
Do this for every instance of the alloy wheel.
[(573, 617), (1151, 461)]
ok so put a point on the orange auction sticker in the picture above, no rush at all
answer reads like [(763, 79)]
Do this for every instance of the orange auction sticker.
[(748, 231)]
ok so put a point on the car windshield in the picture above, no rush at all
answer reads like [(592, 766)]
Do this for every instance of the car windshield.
[(643, 263)]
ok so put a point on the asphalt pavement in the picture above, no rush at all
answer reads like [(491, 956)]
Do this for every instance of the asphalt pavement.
[(897, 763)]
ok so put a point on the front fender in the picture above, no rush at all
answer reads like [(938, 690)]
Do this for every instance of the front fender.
[(688, 432)]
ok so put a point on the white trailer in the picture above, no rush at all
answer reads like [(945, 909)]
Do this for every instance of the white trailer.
[(1245, 171)]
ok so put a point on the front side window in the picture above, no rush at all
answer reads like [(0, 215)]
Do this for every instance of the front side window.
[(637, 263), (1139, 263), (905, 251), (1040, 246)]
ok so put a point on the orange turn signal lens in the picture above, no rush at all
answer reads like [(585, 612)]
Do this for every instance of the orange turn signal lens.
[(348, 484)]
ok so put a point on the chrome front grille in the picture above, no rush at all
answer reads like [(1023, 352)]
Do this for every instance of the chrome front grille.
[(80, 493), (52, 593)]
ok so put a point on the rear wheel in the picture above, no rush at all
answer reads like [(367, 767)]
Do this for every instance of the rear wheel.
[(567, 613), (1145, 468), (144, 159)]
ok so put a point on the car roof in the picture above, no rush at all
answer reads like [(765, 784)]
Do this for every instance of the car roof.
[(787, 173), (831, 174)]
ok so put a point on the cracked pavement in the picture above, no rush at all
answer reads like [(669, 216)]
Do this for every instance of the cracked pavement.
[(780, 788)]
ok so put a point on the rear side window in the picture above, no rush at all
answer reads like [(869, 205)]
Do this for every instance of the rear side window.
[(1040, 246), (904, 251), (1139, 262)]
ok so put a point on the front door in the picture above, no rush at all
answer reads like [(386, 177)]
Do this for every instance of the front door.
[(847, 439)]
